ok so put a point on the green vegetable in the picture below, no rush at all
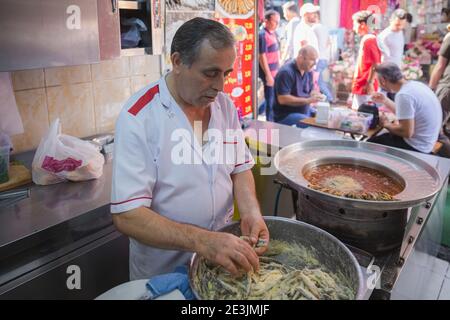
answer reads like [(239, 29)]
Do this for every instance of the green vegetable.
[(3, 170)]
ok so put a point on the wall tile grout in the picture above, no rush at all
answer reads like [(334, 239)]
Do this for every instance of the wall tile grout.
[(129, 66), (440, 289), (88, 83), (46, 98), (95, 106)]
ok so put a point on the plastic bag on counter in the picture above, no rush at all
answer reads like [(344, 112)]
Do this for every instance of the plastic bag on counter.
[(132, 36), (60, 157)]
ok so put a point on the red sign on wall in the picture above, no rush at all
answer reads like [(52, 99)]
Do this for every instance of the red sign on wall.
[(376, 6), (239, 83)]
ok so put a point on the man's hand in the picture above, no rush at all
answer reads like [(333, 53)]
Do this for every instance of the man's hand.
[(254, 227), (378, 97), (232, 253), (270, 81), (369, 88), (314, 99), (319, 96), (387, 122), (384, 121)]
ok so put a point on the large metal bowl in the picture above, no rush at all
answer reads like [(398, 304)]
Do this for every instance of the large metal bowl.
[(332, 253), (420, 180)]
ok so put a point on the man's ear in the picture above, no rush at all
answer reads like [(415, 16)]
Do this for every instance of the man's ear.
[(176, 62), (363, 27)]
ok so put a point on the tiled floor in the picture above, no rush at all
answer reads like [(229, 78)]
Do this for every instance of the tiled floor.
[(425, 278)]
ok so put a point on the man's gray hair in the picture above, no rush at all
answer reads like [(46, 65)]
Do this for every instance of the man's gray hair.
[(304, 51), (390, 71), (190, 36)]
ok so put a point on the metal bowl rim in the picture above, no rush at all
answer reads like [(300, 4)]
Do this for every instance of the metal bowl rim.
[(359, 292), (359, 203)]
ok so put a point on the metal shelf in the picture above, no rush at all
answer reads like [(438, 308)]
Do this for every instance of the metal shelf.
[(131, 5), (135, 51)]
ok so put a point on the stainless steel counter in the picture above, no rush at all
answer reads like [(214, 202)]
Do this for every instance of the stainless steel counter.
[(51, 205), (57, 227)]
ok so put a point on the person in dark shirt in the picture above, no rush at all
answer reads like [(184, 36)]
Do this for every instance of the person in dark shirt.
[(294, 89), (269, 58), (440, 82)]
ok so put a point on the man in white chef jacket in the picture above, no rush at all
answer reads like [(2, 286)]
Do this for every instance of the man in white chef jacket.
[(180, 160)]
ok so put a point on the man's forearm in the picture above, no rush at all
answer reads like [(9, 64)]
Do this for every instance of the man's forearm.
[(292, 101), (152, 229), (398, 130), (390, 104), (438, 72), (264, 64), (371, 76), (435, 77), (245, 193), (370, 79)]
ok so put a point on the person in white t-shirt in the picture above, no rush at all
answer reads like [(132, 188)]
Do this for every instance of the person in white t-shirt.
[(290, 13), (417, 109), (304, 35), (323, 39), (392, 40), (180, 160)]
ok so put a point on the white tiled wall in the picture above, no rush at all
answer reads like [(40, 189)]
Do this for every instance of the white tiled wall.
[(86, 98)]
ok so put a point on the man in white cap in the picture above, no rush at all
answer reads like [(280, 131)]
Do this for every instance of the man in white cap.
[(304, 34)]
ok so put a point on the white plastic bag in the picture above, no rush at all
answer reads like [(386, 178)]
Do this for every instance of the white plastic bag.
[(60, 157)]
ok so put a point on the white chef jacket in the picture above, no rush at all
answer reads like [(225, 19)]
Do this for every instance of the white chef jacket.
[(147, 170)]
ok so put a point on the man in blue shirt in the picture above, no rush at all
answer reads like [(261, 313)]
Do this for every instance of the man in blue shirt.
[(294, 89)]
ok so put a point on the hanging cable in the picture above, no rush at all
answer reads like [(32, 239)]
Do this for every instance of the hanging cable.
[(277, 199)]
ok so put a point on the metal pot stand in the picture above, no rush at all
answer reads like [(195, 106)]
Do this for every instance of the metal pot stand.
[(382, 238)]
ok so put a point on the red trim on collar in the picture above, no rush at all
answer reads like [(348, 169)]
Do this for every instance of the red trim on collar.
[(146, 98)]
